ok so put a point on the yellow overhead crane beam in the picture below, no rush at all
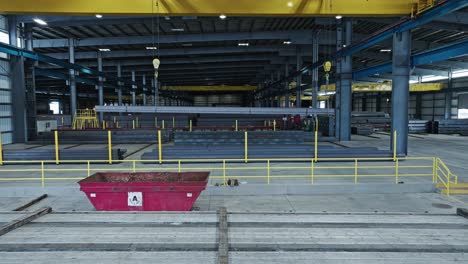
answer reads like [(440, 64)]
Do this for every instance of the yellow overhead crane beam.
[(215, 88), (211, 7), (387, 87)]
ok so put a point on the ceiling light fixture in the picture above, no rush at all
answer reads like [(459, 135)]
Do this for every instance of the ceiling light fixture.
[(290, 4), (151, 48), (339, 17), (241, 44), (40, 21), (385, 50), (187, 44), (287, 42), (104, 50), (98, 16), (222, 16), (178, 29)]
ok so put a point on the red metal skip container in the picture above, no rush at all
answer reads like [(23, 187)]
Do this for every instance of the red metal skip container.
[(145, 191)]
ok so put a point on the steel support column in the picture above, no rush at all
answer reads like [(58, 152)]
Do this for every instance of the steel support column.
[(144, 89), (400, 89), (286, 86), (156, 91), (153, 98), (73, 96), (315, 52), (18, 92), (339, 45), (298, 80), (278, 100), (119, 90), (448, 98), (133, 89), (30, 85), (346, 76), (100, 86)]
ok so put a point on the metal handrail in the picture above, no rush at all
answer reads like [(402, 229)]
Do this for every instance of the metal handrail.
[(314, 169)]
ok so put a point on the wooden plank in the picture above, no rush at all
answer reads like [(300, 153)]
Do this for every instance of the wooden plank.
[(30, 203), (24, 220), (223, 243)]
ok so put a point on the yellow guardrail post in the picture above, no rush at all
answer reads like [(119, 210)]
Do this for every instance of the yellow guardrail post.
[(42, 174), (245, 147), (268, 171), (274, 125), (236, 126), (224, 172), (109, 143), (434, 170), (190, 125), (316, 124), (163, 126), (133, 124), (159, 147), (57, 158), (396, 171), (89, 169), (173, 122), (134, 166), (316, 146), (312, 171), (179, 168), (1, 149), (355, 171), (394, 145), (103, 125)]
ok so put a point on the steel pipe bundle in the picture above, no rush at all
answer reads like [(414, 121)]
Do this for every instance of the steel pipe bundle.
[(65, 154), (261, 151)]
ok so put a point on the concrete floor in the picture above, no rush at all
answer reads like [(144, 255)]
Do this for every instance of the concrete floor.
[(288, 221), (253, 238)]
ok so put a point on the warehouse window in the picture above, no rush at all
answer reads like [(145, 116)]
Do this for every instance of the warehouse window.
[(54, 106), (463, 106)]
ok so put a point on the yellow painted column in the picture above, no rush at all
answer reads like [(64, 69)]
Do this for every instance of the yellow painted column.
[(163, 124), (133, 124), (57, 158), (109, 142), (316, 146), (159, 147), (245, 147)]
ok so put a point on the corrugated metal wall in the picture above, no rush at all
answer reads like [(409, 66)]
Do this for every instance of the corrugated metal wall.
[(218, 100), (432, 105), (6, 124)]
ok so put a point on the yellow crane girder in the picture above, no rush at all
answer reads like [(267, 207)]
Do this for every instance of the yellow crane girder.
[(387, 87), (214, 88), (211, 7)]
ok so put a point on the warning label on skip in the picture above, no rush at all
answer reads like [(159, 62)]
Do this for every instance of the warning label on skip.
[(135, 199)]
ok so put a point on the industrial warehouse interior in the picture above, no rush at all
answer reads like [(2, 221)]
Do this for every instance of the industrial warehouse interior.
[(220, 131)]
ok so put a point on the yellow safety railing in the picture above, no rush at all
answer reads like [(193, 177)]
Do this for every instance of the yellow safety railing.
[(267, 170), (443, 175)]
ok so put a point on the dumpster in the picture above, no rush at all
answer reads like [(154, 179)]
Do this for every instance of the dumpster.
[(145, 191)]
